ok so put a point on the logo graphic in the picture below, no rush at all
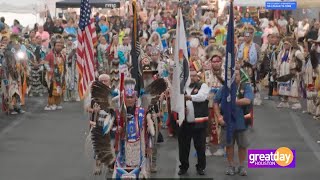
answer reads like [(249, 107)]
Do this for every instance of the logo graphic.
[(282, 157)]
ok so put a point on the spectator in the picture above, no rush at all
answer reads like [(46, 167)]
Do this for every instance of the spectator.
[(104, 27), (2, 19), (48, 25), (58, 29), (144, 32), (70, 29), (117, 26), (16, 28), (32, 34), (264, 23), (271, 29), (45, 36), (248, 20), (291, 27), (35, 27), (282, 22), (313, 34), (301, 30)]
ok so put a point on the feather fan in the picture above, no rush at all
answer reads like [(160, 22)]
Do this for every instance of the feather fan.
[(285, 78), (100, 90), (102, 146), (157, 87)]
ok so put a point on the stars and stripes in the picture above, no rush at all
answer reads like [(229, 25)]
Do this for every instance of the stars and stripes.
[(87, 37)]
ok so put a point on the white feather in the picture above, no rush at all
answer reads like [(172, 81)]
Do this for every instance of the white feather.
[(194, 42), (150, 124), (108, 121)]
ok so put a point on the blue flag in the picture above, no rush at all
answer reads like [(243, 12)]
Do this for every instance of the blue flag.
[(229, 88)]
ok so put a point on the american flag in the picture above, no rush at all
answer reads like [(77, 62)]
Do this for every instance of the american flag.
[(87, 37)]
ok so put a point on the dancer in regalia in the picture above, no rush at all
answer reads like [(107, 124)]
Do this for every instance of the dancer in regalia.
[(289, 66), (10, 82), (36, 76), (155, 86), (315, 59), (72, 76), (131, 135), (248, 54), (102, 56), (214, 78), (268, 61), (101, 122), (55, 65)]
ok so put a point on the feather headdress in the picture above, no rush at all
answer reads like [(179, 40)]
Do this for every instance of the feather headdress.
[(194, 43), (129, 85), (214, 50)]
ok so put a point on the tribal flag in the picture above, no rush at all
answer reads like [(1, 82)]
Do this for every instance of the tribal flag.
[(181, 77), (87, 37), (135, 51), (229, 88)]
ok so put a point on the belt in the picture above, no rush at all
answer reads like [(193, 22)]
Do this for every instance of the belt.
[(198, 120), (201, 119)]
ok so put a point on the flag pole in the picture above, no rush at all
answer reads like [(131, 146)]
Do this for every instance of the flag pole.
[(229, 87)]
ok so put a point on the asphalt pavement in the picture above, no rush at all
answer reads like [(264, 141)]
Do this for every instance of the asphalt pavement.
[(51, 145)]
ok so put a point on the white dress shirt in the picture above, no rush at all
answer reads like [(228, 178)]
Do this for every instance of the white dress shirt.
[(201, 96)]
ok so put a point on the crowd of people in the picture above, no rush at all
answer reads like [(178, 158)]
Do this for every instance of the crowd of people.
[(126, 129)]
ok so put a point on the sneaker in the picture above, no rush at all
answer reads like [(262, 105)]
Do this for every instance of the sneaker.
[(14, 113), (283, 105), (47, 108), (296, 106), (153, 169), (267, 98), (208, 152), (316, 117), (219, 152), (21, 111), (230, 170), (59, 107), (53, 107), (257, 101), (242, 171)]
